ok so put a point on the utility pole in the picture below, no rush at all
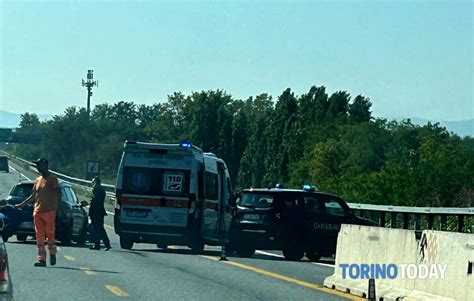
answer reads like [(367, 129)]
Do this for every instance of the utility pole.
[(89, 84)]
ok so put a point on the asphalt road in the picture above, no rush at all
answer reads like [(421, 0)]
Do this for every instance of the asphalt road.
[(149, 273)]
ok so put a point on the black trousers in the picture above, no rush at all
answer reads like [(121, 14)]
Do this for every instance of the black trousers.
[(98, 231)]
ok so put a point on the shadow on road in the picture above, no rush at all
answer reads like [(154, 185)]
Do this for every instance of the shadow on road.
[(83, 270), (185, 251), (134, 252), (59, 244)]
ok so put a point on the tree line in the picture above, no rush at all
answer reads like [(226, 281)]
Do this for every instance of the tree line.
[(330, 141)]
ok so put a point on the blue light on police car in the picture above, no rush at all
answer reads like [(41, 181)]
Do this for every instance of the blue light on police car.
[(186, 144), (308, 187)]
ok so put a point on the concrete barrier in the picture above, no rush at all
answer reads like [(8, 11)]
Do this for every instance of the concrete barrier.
[(375, 245), (456, 250)]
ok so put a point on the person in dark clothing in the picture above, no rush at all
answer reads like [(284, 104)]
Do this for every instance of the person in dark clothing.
[(97, 213)]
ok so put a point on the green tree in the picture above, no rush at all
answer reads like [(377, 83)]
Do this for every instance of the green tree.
[(359, 109)]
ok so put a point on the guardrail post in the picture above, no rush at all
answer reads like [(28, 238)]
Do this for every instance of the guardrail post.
[(405, 220), (362, 213), (430, 221), (393, 220), (382, 219), (444, 221), (460, 223), (417, 225)]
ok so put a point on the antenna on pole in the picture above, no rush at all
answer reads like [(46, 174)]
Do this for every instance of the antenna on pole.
[(89, 83)]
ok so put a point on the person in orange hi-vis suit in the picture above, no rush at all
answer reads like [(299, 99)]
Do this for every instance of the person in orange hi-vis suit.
[(46, 195)]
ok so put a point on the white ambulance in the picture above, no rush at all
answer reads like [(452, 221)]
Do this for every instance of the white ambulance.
[(171, 194)]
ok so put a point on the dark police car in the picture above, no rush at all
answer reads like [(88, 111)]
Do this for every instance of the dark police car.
[(296, 221), (71, 218)]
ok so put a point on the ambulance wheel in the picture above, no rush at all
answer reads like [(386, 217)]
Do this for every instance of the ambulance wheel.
[(313, 256), (293, 252), (197, 247), (126, 243), (245, 252), (21, 237)]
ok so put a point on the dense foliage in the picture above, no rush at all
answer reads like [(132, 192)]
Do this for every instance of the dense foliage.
[(331, 141)]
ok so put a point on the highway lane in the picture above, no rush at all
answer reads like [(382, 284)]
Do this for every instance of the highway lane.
[(148, 273)]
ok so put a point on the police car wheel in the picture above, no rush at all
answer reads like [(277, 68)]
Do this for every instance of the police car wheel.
[(313, 256), (245, 252), (293, 253)]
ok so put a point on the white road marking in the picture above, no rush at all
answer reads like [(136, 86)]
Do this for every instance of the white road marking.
[(117, 291), (70, 258), (269, 254), (20, 173), (88, 271)]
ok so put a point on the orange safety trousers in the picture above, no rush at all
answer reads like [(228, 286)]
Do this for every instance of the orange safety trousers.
[(45, 227)]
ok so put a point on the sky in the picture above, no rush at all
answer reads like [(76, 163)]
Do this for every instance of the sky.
[(411, 58)]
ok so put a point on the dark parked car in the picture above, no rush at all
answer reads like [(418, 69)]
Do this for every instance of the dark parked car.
[(4, 164), (71, 219), (295, 221)]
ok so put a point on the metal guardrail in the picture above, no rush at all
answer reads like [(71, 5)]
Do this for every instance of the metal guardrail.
[(414, 210), (408, 214), (110, 189), (420, 217)]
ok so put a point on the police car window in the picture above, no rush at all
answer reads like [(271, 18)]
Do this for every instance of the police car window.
[(334, 208), (313, 205), (255, 200)]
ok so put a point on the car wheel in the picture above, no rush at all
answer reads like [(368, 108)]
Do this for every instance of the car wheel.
[(162, 246), (81, 240), (21, 237), (126, 243), (293, 252), (245, 252), (66, 238), (313, 256)]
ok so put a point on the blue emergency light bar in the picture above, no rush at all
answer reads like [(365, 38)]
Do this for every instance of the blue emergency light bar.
[(308, 187), (185, 144)]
